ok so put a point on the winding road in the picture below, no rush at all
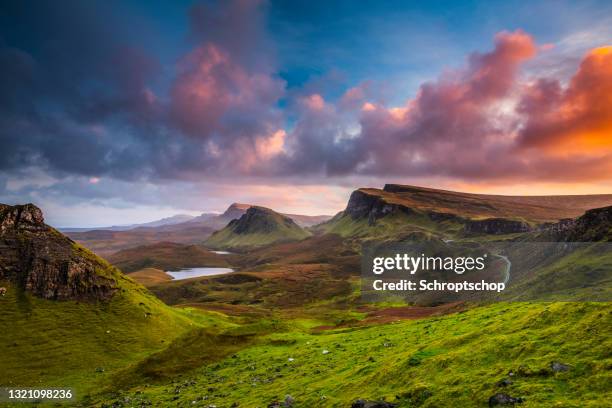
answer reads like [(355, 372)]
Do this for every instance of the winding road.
[(508, 266)]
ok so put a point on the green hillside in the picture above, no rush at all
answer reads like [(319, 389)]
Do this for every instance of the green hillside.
[(79, 343), (450, 361), (259, 226)]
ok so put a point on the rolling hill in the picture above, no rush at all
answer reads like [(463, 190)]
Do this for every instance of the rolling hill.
[(259, 226), (166, 256)]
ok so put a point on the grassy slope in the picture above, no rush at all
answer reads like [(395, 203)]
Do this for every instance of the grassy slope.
[(448, 361), (388, 227), (62, 343), (150, 276), (277, 230), (477, 206)]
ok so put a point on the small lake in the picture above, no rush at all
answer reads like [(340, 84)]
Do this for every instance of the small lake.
[(196, 272), (222, 252)]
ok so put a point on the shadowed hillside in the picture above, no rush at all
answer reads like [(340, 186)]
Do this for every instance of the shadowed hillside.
[(166, 256)]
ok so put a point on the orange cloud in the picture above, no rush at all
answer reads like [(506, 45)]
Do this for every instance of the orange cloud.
[(576, 120)]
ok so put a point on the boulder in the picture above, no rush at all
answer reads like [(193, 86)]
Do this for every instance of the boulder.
[(557, 367), (503, 399)]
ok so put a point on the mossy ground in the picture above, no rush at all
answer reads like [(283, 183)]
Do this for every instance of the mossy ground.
[(451, 361)]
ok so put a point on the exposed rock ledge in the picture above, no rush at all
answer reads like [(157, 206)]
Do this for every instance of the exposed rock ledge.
[(39, 259)]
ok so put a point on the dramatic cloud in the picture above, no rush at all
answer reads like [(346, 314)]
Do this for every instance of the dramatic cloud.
[(84, 101)]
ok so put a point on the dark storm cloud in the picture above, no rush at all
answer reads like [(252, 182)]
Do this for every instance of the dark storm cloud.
[(81, 96)]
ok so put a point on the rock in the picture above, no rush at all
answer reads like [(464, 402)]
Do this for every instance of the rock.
[(594, 225), (325, 352), (2, 291), (503, 399), (360, 403), (556, 366), (361, 204), (42, 261), (288, 401)]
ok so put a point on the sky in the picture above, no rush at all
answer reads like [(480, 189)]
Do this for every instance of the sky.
[(115, 112)]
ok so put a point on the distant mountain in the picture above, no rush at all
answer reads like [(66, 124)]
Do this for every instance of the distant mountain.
[(257, 227), (306, 221), (236, 210), (107, 241), (175, 219)]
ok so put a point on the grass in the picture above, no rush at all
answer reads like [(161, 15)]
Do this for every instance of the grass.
[(450, 361), (166, 256), (150, 276)]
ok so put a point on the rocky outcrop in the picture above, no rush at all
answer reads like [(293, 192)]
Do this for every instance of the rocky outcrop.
[(503, 399), (373, 207), (42, 261), (594, 225), (496, 226)]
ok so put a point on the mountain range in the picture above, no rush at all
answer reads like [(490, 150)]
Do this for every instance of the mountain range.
[(106, 241), (291, 320)]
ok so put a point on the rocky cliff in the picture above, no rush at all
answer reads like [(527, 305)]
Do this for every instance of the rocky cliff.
[(42, 261), (362, 204), (365, 203), (594, 225)]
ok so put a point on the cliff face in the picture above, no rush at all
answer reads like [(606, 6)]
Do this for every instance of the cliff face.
[(372, 207), (594, 225), (376, 205), (39, 259)]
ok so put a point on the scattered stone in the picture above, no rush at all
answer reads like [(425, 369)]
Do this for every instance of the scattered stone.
[(2, 291), (99, 370), (557, 366), (290, 359), (325, 351), (503, 399), (274, 404), (289, 401), (360, 403)]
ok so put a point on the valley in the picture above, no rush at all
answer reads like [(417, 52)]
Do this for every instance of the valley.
[(290, 326)]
